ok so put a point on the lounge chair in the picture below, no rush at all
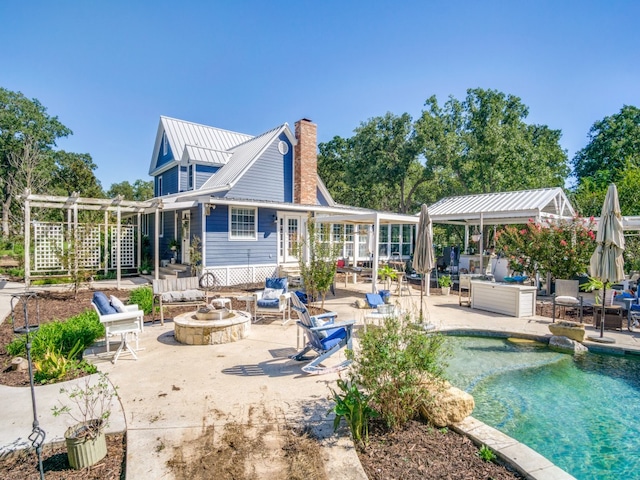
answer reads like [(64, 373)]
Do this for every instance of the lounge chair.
[(566, 296), (324, 336), (273, 300), (118, 319)]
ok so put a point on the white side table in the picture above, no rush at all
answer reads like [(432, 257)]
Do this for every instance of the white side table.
[(249, 301)]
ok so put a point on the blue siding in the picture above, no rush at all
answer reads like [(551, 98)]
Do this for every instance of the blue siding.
[(203, 173), (270, 178), (164, 159), (184, 179), (170, 181), (221, 251)]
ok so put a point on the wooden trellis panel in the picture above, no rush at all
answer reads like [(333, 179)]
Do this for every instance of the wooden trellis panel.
[(89, 247), (49, 241), (127, 246)]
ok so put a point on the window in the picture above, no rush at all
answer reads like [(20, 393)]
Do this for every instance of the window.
[(242, 224), (165, 144), (161, 232), (159, 186), (190, 181)]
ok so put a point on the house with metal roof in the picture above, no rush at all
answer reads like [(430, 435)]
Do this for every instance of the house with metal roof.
[(247, 198)]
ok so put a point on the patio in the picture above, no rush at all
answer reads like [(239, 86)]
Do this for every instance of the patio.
[(173, 392)]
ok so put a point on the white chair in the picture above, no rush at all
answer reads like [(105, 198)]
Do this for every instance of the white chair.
[(566, 295), (130, 319), (273, 300)]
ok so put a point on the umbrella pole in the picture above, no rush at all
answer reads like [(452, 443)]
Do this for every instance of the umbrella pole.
[(604, 296), (421, 292)]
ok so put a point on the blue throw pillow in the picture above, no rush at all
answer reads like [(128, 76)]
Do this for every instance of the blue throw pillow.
[(102, 302), (279, 283)]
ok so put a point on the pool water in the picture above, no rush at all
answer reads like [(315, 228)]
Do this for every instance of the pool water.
[(581, 412)]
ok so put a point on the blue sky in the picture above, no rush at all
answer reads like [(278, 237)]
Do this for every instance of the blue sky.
[(109, 69)]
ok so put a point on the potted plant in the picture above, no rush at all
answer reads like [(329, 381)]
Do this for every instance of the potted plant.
[(90, 408), (145, 266), (386, 274), (174, 246), (444, 282)]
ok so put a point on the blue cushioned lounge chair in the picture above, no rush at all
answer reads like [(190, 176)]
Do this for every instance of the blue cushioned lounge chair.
[(324, 336), (273, 300)]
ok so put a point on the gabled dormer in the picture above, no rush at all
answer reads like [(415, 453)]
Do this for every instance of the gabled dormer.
[(186, 154)]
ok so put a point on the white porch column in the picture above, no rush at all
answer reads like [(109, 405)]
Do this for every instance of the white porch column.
[(106, 242), (466, 239), (481, 244), (139, 262), (118, 240), (156, 242), (376, 248)]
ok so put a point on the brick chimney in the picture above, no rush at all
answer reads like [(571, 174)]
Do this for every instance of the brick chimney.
[(305, 163)]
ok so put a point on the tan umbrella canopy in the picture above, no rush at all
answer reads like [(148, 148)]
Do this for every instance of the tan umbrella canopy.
[(607, 263), (423, 257)]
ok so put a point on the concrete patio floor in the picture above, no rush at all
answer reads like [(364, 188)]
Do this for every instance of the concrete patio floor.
[(173, 392)]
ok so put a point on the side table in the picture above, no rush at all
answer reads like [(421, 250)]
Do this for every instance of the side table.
[(249, 301), (612, 316)]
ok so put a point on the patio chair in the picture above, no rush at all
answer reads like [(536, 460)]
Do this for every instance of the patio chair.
[(118, 319), (374, 300), (566, 296), (324, 336), (273, 300)]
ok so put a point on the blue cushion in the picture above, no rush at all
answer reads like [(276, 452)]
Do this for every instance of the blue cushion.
[(318, 322), (635, 308), (625, 295), (302, 296), (374, 299), (335, 338), (103, 304), (269, 303), (280, 283)]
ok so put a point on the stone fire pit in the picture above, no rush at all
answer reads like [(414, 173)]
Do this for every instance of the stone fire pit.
[(214, 327)]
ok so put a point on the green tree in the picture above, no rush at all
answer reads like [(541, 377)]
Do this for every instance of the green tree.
[(611, 156), (478, 145), (614, 144), (24, 123), (139, 191), (482, 144), (74, 173), (378, 167)]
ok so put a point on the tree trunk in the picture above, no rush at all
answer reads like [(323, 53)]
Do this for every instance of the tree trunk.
[(6, 206)]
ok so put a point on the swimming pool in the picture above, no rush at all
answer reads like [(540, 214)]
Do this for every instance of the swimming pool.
[(581, 412)]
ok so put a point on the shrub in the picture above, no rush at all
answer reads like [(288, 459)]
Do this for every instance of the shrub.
[(61, 336), (393, 364), (445, 281), (143, 297)]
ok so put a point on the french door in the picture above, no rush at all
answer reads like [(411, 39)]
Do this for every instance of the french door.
[(290, 232)]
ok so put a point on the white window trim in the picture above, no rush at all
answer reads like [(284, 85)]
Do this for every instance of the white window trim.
[(255, 225), (165, 145), (159, 177), (161, 228), (191, 173)]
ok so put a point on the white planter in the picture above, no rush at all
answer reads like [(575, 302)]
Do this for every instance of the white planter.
[(445, 290)]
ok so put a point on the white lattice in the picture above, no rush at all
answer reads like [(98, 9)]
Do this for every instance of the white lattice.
[(236, 275), (88, 247), (127, 246), (49, 241)]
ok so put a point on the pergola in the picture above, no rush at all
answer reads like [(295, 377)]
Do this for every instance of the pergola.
[(74, 203)]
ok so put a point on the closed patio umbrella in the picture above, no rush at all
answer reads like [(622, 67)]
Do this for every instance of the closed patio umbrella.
[(606, 262), (423, 258)]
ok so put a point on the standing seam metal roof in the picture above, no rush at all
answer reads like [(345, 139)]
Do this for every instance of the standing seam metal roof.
[(181, 134), (548, 200), (242, 158)]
